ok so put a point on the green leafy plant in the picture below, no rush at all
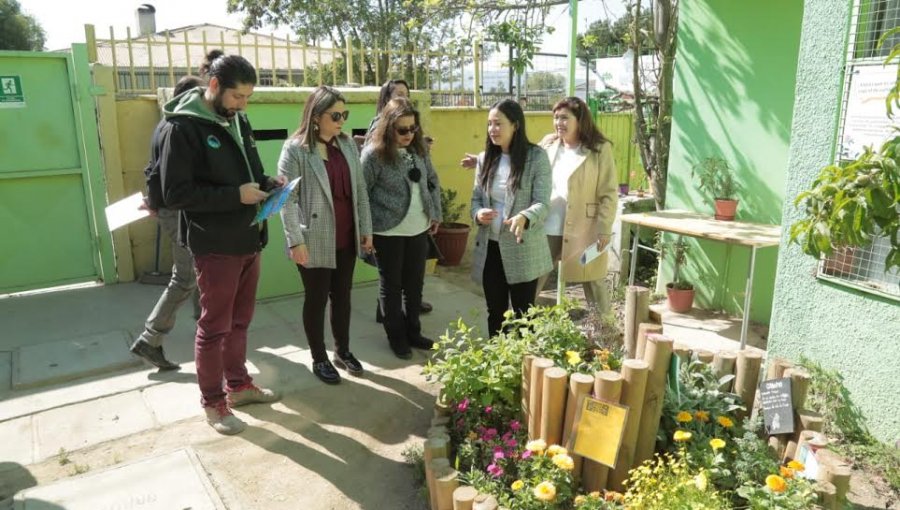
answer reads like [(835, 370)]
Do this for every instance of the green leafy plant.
[(850, 203), (678, 250), (545, 479), (668, 481), (451, 209), (471, 367), (716, 178), (783, 491)]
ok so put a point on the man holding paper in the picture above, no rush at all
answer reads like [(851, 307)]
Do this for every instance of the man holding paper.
[(583, 199), (212, 172)]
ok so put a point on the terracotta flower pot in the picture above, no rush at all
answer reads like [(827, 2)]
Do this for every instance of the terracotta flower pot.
[(451, 240), (680, 300), (725, 209)]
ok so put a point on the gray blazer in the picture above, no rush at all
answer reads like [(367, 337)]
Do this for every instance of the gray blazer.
[(308, 216), (390, 190), (531, 259)]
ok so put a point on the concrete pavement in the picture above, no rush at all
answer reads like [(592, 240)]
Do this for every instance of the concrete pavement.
[(320, 447)]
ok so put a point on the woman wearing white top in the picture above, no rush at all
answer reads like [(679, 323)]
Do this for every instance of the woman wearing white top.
[(583, 199), (509, 204)]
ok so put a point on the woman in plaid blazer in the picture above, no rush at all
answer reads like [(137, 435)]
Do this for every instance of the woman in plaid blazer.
[(509, 203), (406, 204), (327, 224)]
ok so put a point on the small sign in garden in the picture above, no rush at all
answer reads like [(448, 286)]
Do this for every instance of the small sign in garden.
[(599, 429), (778, 410)]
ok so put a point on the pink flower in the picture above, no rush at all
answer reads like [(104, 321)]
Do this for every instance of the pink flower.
[(462, 406), (515, 425), (488, 409), (495, 470), (460, 423), (489, 434), (511, 443), (526, 454)]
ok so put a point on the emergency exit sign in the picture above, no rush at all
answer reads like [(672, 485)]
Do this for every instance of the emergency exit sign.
[(11, 93)]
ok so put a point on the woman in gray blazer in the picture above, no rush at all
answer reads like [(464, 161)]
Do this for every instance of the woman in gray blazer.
[(509, 203), (327, 224), (405, 197)]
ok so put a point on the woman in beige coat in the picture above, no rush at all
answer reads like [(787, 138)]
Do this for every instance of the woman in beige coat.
[(583, 198)]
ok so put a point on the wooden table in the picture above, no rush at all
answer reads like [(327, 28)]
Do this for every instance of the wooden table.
[(751, 235)]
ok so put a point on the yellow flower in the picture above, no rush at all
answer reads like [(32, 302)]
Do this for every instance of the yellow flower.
[(517, 485), (681, 436), (776, 483), (595, 494), (555, 449), (580, 500), (573, 357), (702, 416), (796, 465), (472, 435), (616, 497), (602, 354), (786, 472), (563, 461), (545, 491), (684, 417), (716, 443), (725, 422), (700, 481), (537, 446)]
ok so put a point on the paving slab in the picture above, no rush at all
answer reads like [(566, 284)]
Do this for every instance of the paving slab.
[(171, 481), (709, 330), (89, 423), (17, 443), (65, 360)]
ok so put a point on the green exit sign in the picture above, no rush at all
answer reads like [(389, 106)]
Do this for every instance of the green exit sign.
[(11, 93)]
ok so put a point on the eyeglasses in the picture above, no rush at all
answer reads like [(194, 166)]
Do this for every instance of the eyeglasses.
[(414, 174), (403, 131), (337, 116)]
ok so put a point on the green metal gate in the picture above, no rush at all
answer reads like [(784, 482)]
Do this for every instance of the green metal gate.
[(52, 191)]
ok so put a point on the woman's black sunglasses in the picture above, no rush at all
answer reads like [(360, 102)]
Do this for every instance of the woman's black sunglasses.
[(403, 131), (336, 116)]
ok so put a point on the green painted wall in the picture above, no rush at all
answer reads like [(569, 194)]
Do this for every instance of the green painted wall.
[(733, 97), (855, 333)]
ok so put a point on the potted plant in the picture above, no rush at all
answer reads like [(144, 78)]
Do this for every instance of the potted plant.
[(851, 202), (717, 179), (452, 237), (680, 292)]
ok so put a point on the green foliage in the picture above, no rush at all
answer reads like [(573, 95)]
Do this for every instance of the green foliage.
[(850, 203), (414, 456), (452, 210), (753, 459), (19, 31), (779, 492), (678, 250), (845, 422), (522, 36), (549, 332), (545, 81), (545, 479), (668, 482), (488, 372), (606, 38), (716, 178)]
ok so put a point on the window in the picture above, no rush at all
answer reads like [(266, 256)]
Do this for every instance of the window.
[(864, 123)]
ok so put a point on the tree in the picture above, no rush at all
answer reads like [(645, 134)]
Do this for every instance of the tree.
[(545, 81), (19, 31), (401, 27), (610, 38), (653, 113)]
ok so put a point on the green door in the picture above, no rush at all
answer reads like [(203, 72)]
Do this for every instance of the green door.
[(51, 182)]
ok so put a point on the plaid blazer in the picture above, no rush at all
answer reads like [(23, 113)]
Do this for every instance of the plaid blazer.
[(530, 259), (308, 216)]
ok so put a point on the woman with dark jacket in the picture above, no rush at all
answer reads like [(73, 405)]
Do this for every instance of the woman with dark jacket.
[(327, 225), (404, 194), (509, 205)]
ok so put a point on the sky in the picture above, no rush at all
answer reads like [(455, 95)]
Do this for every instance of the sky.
[(64, 22)]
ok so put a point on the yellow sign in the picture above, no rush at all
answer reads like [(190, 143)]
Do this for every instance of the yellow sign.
[(599, 429)]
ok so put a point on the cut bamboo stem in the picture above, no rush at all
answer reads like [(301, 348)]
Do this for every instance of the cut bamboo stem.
[(799, 385), (432, 468), (579, 385), (746, 379), (553, 405), (446, 482), (485, 502), (776, 368), (723, 364), (464, 498), (527, 360), (682, 351), (826, 492), (538, 366), (644, 329), (608, 388), (637, 310), (658, 354), (705, 356), (634, 387)]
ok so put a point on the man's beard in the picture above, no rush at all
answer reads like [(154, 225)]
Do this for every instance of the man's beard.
[(220, 108)]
